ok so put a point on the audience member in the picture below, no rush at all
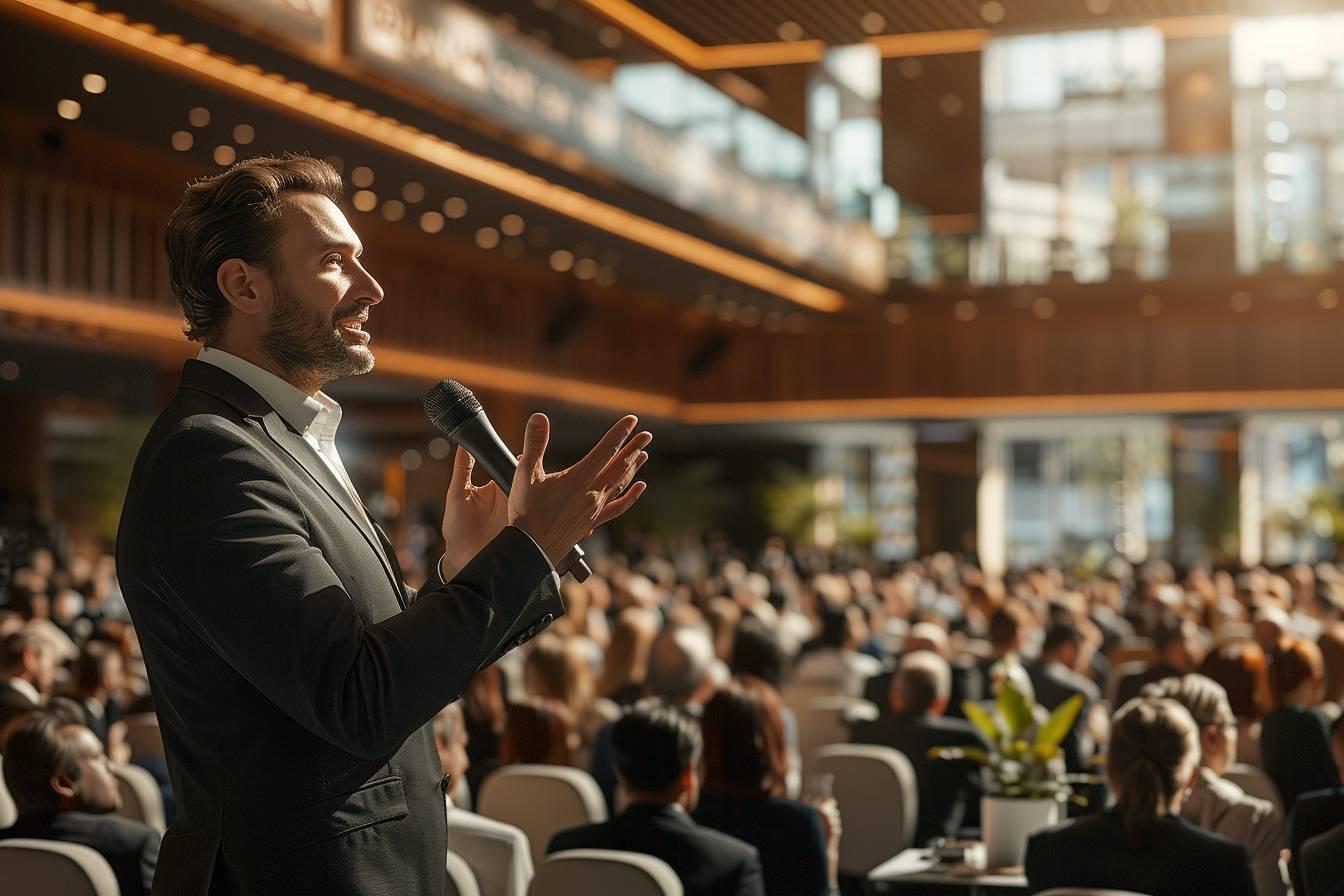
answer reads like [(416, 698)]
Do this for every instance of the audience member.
[(1179, 650), (27, 674), (557, 671), (918, 699), (1142, 844), (1294, 739), (98, 679), (745, 779), (483, 711), (1317, 811), (1214, 803), (833, 659), (1239, 667), (499, 854), (1331, 644), (656, 748), (1056, 679), (539, 732), (627, 659), (63, 785)]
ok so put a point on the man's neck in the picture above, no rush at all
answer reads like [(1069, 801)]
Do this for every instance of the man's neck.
[(255, 356)]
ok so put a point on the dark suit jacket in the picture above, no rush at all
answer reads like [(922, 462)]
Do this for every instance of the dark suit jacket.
[(967, 684), (1178, 860), (788, 835), (707, 862), (1055, 684), (294, 674), (1295, 752), (1130, 686), (945, 786), (1315, 812), (13, 703), (131, 848)]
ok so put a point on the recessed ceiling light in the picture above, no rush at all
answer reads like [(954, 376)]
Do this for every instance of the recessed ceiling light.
[(789, 31), (182, 140), (68, 109), (873, 22), (362, 177), (243, 134), (992, 12), (225, 154), (413, 192), (610, 37), (394, 209), (965, 310), (431, 222), (455, 207), (562, 260), (512, 225), (365, 201), (94, 83), (199, 117), (487, 237)]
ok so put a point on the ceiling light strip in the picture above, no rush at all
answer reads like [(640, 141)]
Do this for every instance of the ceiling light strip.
[(273, 89)]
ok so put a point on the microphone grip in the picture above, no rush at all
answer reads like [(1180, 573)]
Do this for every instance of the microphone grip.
[(480, 438)]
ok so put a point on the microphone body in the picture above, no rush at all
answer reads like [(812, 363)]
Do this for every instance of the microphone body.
[(457, 414)]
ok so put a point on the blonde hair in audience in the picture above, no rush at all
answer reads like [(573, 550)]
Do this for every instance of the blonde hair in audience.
[(627, 659)]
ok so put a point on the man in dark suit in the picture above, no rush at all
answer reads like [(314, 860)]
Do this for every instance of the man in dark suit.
[(64, 788), (657, 752), (1179, 650), (294, 674), (1055, 679), (27, 671), (967, 679), (918, 699)]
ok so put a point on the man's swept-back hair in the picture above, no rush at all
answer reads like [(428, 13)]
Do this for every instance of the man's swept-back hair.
[(235, 214)]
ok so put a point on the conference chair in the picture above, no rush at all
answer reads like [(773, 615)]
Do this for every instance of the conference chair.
[(824, 718), (1255, 782), (141, 799), (9, 813), (604, 871), (541, 801), (876, 792), (143, 736), (1087, 891), (1323, 862), (47, 866), (461, 880)]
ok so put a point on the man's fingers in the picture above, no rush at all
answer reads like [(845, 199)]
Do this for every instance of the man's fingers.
[(606, 449), (535, 439), (463, 463), (615, 508), (616, 474)]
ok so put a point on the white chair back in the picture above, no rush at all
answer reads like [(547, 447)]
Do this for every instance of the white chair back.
[(9, 813), (1255, 782), (879, 804), (461, 880), (1085, 891), (604, 871), (143, 735), (541, 801), (48, 866), (141, 799), (824, 718)]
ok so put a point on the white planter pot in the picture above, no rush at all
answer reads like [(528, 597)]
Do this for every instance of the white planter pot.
[(1006, 824)]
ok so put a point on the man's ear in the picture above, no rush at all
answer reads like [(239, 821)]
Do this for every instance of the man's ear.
[(246, 288), (63, 786)]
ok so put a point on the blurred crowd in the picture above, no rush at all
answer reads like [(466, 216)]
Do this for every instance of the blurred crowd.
[(683, 675)]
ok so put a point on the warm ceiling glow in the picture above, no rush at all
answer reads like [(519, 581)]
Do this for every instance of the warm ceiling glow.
[(1043, 308), (455, 208), (585, 269), (182, 140), (487, 237), (562, 260), (244, 134), (94, 83), (790, 31), (965, 311), (225, 155), (610, 37), (68, 109), (199, 117), (362, 177), (394, 210), (196, 62), (365, 201), (413, 192), (873, 22), (897, 313), (431, 222), (1241, 301), (992, 12)]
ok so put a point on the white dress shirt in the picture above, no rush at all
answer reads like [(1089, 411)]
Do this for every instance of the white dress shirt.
[(315, 417), (24, 687)]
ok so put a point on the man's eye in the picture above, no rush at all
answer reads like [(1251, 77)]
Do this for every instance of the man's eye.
[(333, 259)]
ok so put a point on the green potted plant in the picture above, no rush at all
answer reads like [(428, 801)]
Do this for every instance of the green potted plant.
[(1023, 773)]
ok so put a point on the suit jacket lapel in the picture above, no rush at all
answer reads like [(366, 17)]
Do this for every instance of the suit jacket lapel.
[(293, 444), (391, 553)]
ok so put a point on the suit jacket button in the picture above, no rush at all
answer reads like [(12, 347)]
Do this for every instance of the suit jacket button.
[(446, 783), (546, 620)]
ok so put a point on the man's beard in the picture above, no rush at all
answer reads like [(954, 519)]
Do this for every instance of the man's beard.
[(305, 346)]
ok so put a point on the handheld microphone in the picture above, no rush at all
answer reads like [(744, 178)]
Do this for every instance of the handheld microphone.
[(456, 413)]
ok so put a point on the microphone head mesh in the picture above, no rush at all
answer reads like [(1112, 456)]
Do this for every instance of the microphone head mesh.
[(450, 404)]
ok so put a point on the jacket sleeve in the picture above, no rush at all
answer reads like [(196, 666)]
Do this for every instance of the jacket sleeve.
[(232, 555), (752, 881)]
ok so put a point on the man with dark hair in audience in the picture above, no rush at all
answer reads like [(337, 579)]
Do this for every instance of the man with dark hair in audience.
[(1179, 651), (1056, 679), (656, 748), (681, 662), (64, 788), (99, 676), (27, 673), (1008, 629), (918, 697), (967, 681)]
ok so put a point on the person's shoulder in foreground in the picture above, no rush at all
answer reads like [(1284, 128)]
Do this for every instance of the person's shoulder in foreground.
[(1178, 859)]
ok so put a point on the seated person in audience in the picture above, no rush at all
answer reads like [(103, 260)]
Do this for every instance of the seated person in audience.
[(1214, 803), (1056, 679), (99, 677), (63, 785), (657, 748), (967, 680), (681, 666), (538, 732), (626, 663), (1179, 650), (498, 854), (557, 671), (745, 768), (1239, 667), (1294, 739), (1008, 627), (27, 673), (1317, 811), (1331, 643), (1142, 844), (918, 698), (833, 659), (757, 653)]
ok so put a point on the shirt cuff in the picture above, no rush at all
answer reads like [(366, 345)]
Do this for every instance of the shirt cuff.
[(443, 557)]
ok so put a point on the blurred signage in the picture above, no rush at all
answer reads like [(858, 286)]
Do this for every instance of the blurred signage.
[(305, 19), (456, 53)]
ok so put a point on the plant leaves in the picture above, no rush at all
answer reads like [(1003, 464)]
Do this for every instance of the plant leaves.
[(974, 754), (981, 720), (1014, 709), (1060, 723)]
